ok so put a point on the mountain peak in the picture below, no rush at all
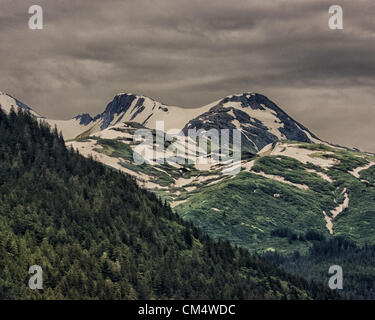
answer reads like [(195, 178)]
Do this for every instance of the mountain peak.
[(124, 107), (121, 103), (7, 102), (129, 94)]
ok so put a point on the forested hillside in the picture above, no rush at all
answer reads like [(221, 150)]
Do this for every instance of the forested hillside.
[(357, 263), (97, 235)]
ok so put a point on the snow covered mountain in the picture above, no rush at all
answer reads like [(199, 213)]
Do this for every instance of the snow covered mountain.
[(260, 121)]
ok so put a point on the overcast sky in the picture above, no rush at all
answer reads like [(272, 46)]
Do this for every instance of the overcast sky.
[(191, 52)]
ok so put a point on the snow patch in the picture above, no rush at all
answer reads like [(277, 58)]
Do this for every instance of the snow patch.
[(335, 212), (356, 172), (321, 174), (281, 179), (303, 155)]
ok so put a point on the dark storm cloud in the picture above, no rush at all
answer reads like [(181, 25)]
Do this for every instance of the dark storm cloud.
[(193, 52)]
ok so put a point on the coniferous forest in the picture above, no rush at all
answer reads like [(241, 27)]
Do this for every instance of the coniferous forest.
[(97, 235), (356, 261)]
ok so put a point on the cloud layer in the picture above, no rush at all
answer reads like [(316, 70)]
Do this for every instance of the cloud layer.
[(190, 53)]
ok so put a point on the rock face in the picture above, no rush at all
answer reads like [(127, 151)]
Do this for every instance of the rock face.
[(84, 119), (260, 121), (120, 104)]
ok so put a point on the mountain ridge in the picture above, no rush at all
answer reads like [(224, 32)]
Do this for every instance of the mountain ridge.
[(260, 120), (7, 102)]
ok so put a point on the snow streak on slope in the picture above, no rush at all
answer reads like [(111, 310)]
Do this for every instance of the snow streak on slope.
[(356, 172), (335, 212)]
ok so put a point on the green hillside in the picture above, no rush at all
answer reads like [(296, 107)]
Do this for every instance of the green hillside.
[(282, 196), (261, 213)]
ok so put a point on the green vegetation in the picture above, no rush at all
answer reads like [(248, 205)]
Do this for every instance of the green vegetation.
[(356, 261), (115, 148), (286, 223), (250, 206), (294, 171), (368, 175), (164, 174), (248, 211)]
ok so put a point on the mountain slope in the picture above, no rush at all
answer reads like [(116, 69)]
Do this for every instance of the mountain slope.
[(260, 121), (300, 186), (97, 235), (297, 187)]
